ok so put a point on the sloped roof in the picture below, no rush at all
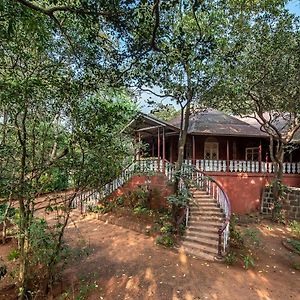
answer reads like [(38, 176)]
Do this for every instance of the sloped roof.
[(147, 125), (213, 122), (280, 121)]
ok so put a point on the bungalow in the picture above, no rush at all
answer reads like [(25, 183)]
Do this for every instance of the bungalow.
[(230, 169), (234, 152)]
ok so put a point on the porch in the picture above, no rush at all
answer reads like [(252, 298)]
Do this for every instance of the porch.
[(226, 146)]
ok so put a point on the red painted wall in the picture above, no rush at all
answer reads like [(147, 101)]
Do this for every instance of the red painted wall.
[(245, 189), (156, 182)]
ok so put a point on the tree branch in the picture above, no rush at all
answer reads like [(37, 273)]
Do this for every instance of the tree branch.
[(62, 8)]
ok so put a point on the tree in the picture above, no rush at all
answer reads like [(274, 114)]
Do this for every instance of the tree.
[(263, 83), (164, 112), (194, 40), (54, 115)]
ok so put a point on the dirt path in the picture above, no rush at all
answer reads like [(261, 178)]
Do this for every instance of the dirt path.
[(124, 264)]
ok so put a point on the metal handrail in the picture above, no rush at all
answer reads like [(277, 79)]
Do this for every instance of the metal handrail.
[(215, 192)]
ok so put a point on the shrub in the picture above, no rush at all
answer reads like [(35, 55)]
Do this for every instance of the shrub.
[(165, 240), (167, 228), (11, 211), (230, 258), (295, 227), (248, 260), (251, 237), (13, 255), (295, 244)]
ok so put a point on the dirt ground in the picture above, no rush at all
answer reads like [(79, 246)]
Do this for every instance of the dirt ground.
[(120, 263)]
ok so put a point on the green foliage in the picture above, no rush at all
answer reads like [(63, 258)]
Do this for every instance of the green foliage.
[(251, 238), (54, 180), (294, 261), (164, 112), (244, 242), (167, 228), (166, 240), (181, 199), (295, 227), (44, 242), (248, 261), (230, 258), (104, 207), (295, 245), (11, 212), (236, 239), (13, 255)]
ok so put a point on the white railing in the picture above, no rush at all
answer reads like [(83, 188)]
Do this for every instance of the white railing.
[(240, 166), (150, 166), (213, 188)]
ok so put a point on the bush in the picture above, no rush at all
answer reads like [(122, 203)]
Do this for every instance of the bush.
[(13, 255), (11, 212), (295, 244), (248, 260), (165, 240), (230, 258), (167, 228), (295, 227)]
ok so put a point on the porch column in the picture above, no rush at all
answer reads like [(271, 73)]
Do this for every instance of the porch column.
[(164, 149), (171, 151), (259, 156), (152, 154), (194, 150), (158, 148), (135, 149), (139, 141), (227, 156)]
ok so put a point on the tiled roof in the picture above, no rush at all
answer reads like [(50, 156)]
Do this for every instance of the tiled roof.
[(213, 122)]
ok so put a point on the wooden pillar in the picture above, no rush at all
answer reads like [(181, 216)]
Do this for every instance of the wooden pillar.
[(139, 141), (260, 155), (158, 148), (164, 150), (227, 156), (152, 154), (135, 149), (194, 150), (171, 151)]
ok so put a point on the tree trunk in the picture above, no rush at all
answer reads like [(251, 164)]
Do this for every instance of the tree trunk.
[(277, 159), (5, 219)]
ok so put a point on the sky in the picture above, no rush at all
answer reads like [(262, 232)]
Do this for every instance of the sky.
[(293, 6)]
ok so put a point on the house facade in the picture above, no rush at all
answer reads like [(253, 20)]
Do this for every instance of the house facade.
[(225, 147)]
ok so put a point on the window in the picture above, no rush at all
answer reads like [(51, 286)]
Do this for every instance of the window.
[(211, 149), (252, 153)]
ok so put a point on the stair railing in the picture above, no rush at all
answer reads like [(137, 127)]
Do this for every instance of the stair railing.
[(147, 166), (214, 189)]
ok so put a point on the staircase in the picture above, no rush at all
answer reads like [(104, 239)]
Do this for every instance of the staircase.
[(201, 237)]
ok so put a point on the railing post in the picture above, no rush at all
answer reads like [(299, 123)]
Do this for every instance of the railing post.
[(220, 244)]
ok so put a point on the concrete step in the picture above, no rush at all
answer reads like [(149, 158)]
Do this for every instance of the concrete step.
[(201, 212), (205, 203), (196, 248), (194, 217), (198, 254), (208, 208), (208, 235), (204, 223), (202, 229), (203, 241)]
